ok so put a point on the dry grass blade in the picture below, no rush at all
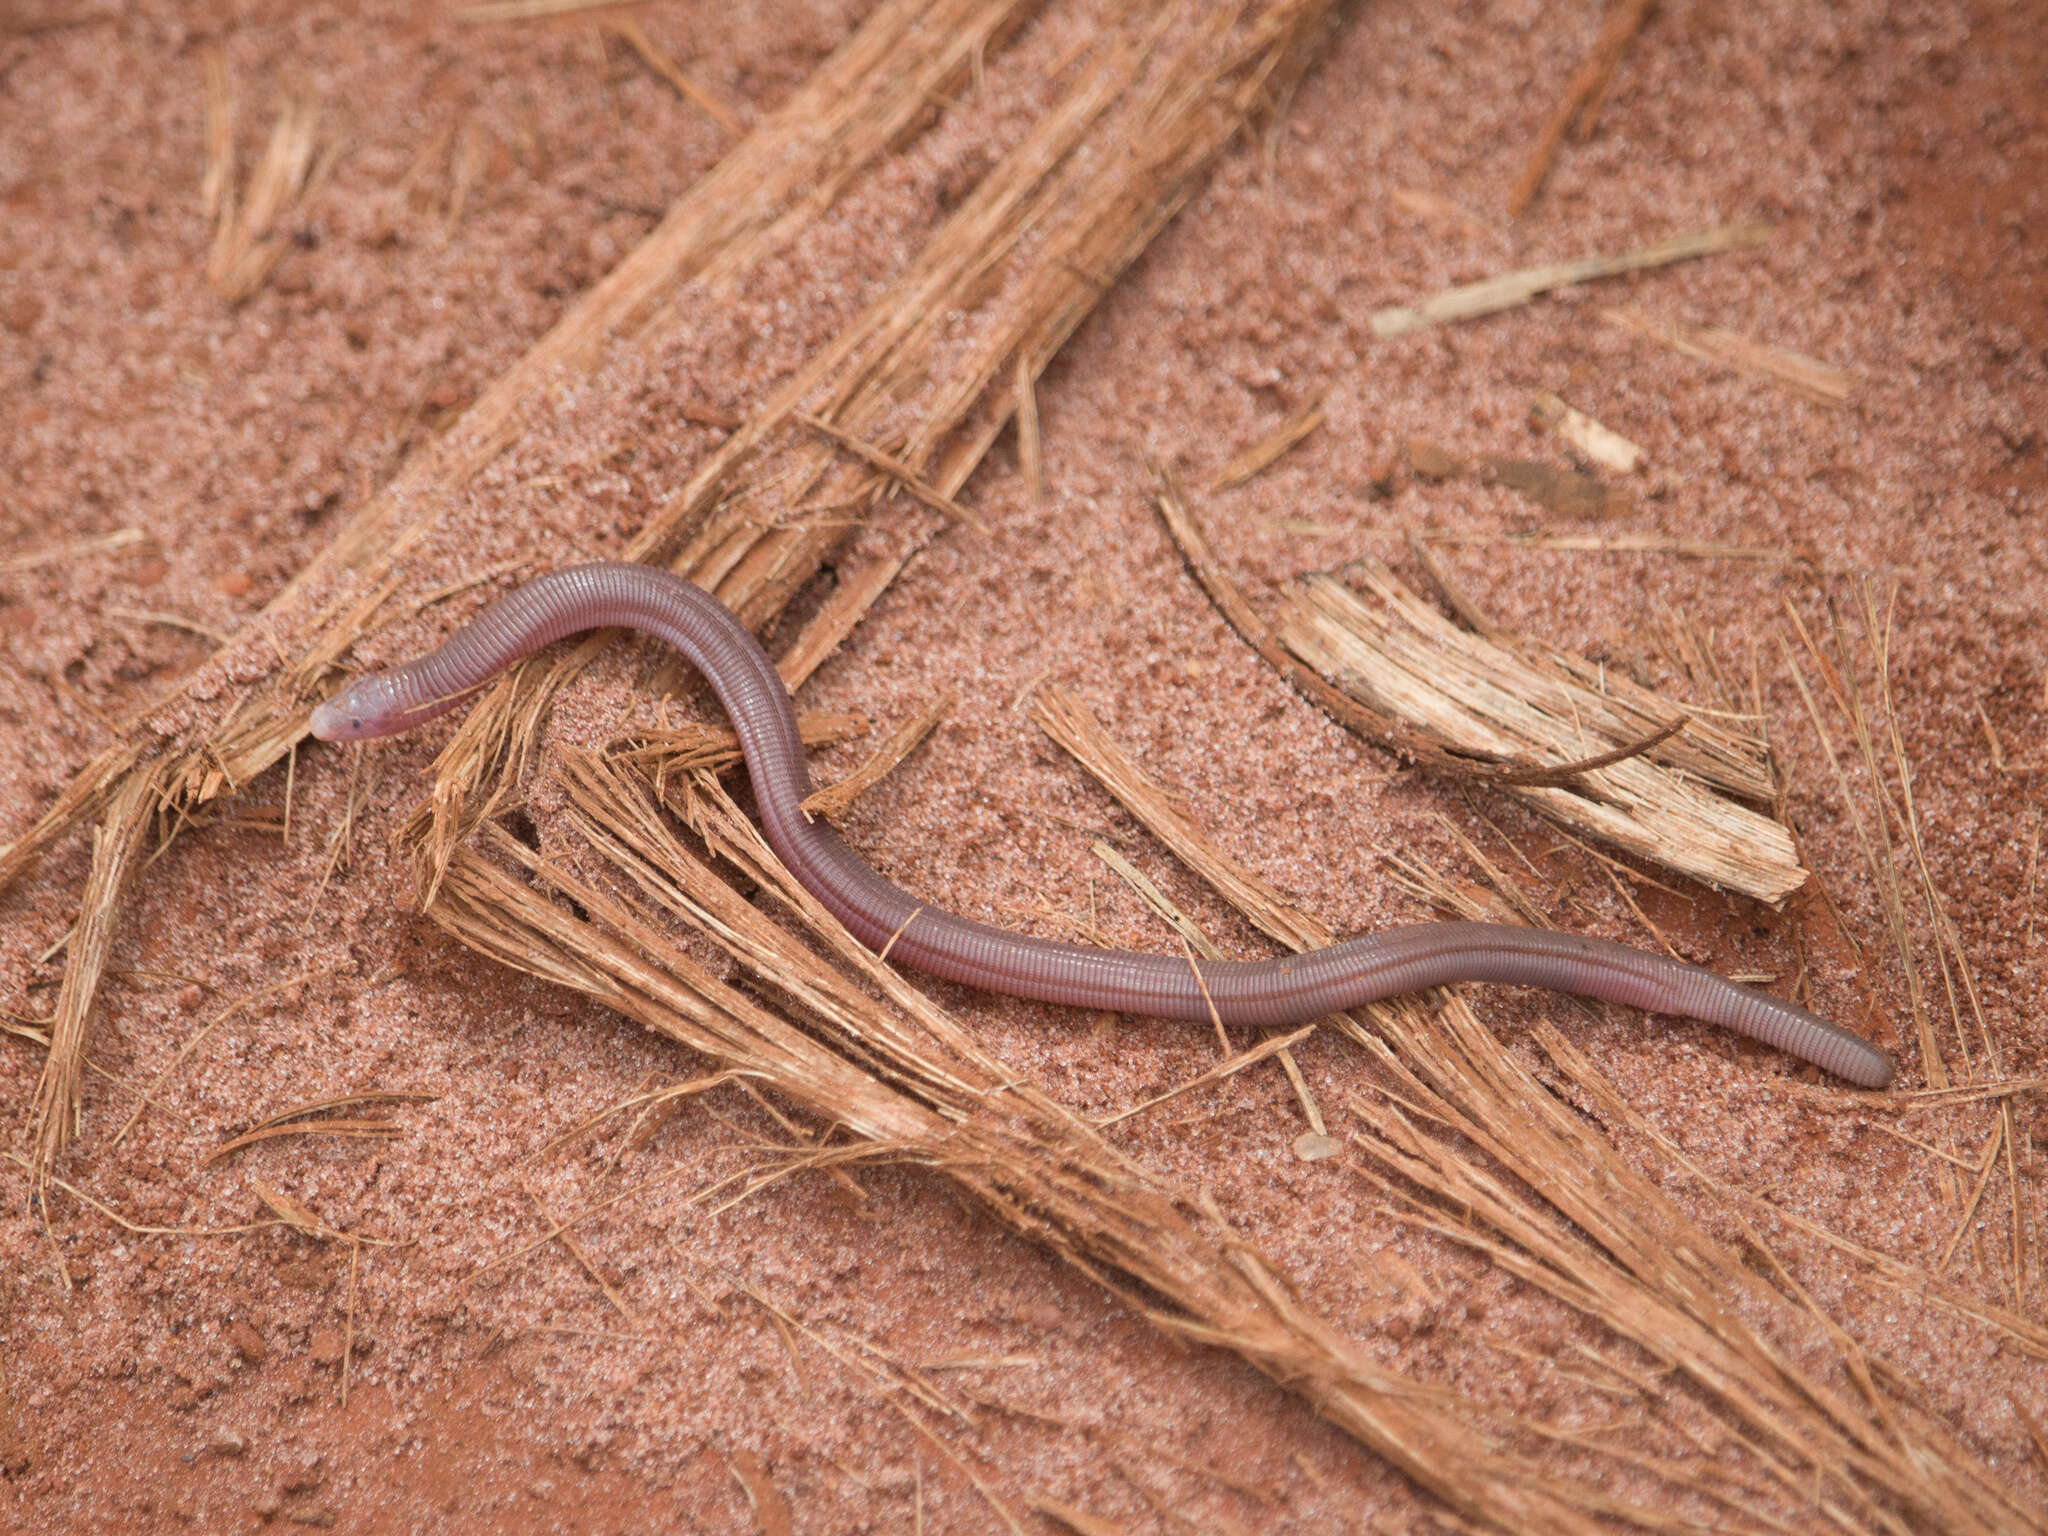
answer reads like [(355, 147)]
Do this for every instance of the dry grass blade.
[(301, 1218), (1269, 448), (1030, 444), (239, 1005), (1195, 942), (1895, 1274), (347, 1101), (1971, 1093), (896, 470), (1948, 945), (217, 186), (1628, 544), (1162, 905), (576, 1251), (81, 549), (1819, 382), (140, 1229), (293, 1122), (637, 39), (1403, 659), (1896, 814), (116, 853), (644, 1102), (1218, 1073), (693, 746), (1067, 721), (894, 1378), (375, 1130), (1491, 295), (1874, 833), (247, 241), (168, 620)]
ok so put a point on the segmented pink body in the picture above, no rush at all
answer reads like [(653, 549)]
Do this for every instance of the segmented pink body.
[(1289, 990)]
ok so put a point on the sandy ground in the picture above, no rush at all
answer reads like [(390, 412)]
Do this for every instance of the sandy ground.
[(1900, 151)]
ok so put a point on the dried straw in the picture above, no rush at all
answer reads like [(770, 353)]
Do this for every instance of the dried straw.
[(1581, 1224), (788, 171)]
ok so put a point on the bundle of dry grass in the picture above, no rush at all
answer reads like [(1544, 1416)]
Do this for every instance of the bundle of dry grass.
[(1960, 1056), (884, 1063), (1027, 252), (1087, 216), (1575, 1220), (1754, 1436), (247, 242)]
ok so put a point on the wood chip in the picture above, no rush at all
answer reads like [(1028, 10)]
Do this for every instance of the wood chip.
[(1573, 427), (1315, 1146), (1401, 656), (1565, 492)]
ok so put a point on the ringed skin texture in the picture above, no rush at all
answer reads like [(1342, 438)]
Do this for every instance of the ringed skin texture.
[(1292, 989)]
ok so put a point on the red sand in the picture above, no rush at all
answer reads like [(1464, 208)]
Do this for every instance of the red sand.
[(1902, 153)]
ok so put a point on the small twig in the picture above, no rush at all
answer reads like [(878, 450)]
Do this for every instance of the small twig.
[(1582, 97), (1460, 601), (1490, 295)]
